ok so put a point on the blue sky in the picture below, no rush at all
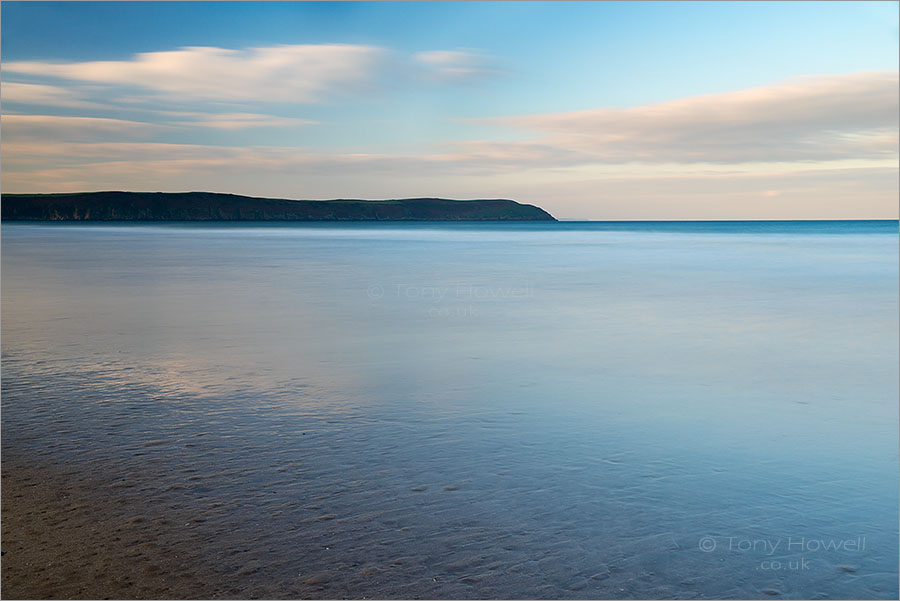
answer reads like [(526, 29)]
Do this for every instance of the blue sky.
[(595, 110)]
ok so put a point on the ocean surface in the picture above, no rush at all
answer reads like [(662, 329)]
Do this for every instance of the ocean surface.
[(546, 410)]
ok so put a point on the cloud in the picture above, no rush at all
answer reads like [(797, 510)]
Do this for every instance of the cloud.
[(58, 128), (286, 73), (87, 152), (807, 118), (455, 65), (37, 162), (44, 95), (234, 121), (165, 157), (72, 97), (817, 192)]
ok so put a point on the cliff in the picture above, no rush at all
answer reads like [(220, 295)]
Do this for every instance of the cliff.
[(207, 206)]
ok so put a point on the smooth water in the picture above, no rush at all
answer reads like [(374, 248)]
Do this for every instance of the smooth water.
[(562, 410)]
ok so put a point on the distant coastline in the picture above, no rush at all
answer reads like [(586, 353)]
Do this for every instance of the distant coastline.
[(209, 206)]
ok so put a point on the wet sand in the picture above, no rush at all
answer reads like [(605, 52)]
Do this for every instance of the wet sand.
[(83, 531), (68, 536), (63, 537)]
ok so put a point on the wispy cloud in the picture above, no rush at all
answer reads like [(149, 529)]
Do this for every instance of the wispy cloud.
[(59, 128), (816, 191), (455, 65), (808, 118), (233, 121), (838, 118), (286, 73), (44, 95)]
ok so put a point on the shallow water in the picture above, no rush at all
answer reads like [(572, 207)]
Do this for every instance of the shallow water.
[(570, 410)]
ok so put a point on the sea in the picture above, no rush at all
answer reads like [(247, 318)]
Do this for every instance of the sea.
[(646, 410)]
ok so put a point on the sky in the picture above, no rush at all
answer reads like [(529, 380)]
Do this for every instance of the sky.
[(591, 110)]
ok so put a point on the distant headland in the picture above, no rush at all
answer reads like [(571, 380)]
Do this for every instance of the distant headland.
[(209, 206)]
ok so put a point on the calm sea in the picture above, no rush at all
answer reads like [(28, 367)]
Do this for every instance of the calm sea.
[(560, 410)]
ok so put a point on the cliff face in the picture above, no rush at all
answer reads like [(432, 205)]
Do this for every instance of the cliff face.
[(206, 206)]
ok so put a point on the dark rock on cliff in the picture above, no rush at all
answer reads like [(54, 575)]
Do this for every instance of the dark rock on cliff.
[(207, 206)]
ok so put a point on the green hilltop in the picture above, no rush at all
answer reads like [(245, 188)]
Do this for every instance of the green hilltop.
[(208, 206)]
